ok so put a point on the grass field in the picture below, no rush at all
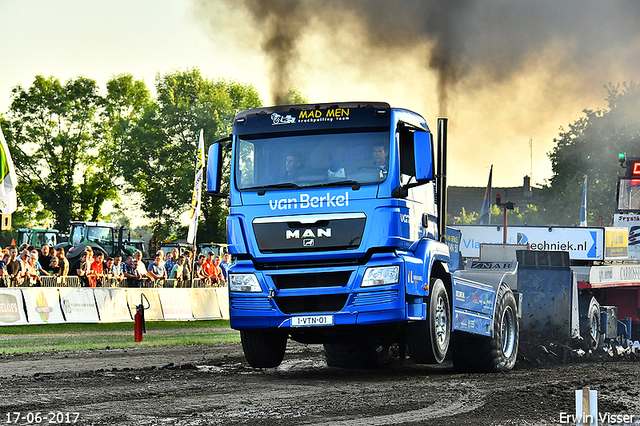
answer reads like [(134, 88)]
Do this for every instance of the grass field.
[(77, 337)]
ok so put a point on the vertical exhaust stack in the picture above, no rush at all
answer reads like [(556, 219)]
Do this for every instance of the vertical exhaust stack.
[(441, 186)]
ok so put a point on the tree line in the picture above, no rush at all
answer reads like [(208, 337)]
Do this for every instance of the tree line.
[(75, 149)]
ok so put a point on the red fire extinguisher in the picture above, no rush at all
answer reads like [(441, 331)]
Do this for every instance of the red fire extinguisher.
[(139, 326)]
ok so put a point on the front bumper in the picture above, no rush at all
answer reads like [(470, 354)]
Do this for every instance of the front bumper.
[(306, 291)]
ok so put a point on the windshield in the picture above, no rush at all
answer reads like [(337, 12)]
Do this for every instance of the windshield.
[(43, 238), (99, 234), (76, 233), (312, 160)]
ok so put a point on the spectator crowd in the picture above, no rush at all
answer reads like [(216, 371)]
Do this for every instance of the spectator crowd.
[(27, 267)]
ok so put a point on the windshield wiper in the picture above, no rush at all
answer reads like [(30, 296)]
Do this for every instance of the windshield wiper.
[(262, 189), (355, 185)]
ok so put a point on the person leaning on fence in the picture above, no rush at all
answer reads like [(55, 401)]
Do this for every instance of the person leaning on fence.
[(4, 275), (157, 272), (91, 274), (41, 270), (144, 278), (218, 271), (82, 269), (204, 278), (97, 268), (110, 272), (14, 268), (116, 268), (54, 267), (33, 270), (161, 254), (176, 272), (3, 264), (225, 264), (45, 255), (63, 262), (169, 261), (186, 271), (210, 269), (129, 271)]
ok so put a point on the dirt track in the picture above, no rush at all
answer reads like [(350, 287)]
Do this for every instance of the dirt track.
[(213, 385)]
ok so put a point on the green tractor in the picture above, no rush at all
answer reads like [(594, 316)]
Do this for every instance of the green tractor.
[(218, 249), (37, 237), (103, 237)]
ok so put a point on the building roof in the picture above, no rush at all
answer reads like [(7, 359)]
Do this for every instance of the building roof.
[(471, 197)]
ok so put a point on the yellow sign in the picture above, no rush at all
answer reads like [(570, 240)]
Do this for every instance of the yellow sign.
[(616, 242)]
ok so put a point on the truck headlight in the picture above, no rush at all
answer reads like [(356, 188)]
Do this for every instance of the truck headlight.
[(381, 276), (247, 283)]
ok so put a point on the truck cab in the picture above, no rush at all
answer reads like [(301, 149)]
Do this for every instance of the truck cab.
[(333, 220)]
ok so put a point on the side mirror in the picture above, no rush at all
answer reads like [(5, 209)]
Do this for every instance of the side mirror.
[(214, 169), (423, 155)]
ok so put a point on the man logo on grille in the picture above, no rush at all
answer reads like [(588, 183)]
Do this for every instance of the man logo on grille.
[(308, 233), (308, 242)]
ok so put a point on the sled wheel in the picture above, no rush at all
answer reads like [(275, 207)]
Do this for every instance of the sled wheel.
[(590, 327), (475, 353)]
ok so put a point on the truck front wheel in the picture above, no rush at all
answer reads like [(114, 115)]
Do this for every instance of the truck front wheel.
[(263, 348), (475, 353), (428, 341)]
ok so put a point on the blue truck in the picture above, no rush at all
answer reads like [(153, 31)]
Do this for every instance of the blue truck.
[(337, 222)]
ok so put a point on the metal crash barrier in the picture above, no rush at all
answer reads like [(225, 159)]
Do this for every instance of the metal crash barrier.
[(59, 282)]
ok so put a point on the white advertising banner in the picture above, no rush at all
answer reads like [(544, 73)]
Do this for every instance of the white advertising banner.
[(43, 305), (581, 243), (204, 303), (112, 304), (78, 305), (150, 301), (223, 301), (12, 307), (176, 305)]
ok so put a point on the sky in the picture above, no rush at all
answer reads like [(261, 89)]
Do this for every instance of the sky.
[(508, 74)]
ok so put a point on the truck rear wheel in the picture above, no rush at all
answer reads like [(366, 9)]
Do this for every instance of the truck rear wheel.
[(475, 353), (590, 328), (428, 341), (263, 348), (358, 354)]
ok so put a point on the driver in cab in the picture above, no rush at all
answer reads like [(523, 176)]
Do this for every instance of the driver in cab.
[(292, 166), (381, 159)]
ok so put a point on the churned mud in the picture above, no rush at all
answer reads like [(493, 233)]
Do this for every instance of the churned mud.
[(213, 385)]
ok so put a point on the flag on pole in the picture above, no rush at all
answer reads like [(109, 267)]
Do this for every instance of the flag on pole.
[(197, 191), (485, 214), (8, 179), (583, 206)]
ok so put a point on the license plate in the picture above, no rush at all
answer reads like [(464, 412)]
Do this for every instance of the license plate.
[(310, 321)]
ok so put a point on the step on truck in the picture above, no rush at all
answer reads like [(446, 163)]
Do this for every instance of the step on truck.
[(337, 222)]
